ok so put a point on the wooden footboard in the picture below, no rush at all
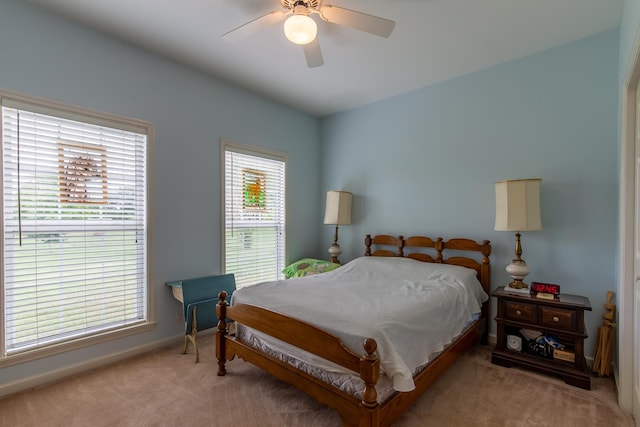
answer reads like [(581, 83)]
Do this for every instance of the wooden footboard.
[(311, 339)]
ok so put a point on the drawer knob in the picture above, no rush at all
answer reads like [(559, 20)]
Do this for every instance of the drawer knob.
[(556, 319), (518, 312)]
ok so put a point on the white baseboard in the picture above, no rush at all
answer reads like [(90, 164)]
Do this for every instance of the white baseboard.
[(492, 339), (67, 371)]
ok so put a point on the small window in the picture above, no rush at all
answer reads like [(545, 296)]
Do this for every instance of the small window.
[(253, 214)]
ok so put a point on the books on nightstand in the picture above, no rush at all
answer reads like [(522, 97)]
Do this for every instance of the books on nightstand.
[(565, 355)]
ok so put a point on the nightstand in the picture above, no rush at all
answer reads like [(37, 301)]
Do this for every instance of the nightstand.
[(562, 318)]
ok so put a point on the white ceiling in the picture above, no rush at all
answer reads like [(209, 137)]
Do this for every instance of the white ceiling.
[(434, 40)]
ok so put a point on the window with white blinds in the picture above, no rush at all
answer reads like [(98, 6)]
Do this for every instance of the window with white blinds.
[(74, 238), (254, 213)]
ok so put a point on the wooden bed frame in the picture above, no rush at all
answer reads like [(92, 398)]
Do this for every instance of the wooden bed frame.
[(367, 411)]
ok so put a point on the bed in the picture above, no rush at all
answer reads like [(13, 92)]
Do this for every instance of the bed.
[(361, 366)]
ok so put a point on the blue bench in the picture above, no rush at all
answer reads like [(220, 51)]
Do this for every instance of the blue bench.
[(200, 295)]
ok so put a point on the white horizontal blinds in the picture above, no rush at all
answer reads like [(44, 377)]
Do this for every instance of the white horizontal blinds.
[(74, 235), (254, 217)]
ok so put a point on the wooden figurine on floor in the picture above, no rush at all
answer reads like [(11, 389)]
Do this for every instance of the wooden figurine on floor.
[(604, 344)]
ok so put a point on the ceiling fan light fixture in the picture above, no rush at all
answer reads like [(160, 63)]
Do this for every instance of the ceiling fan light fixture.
[(300, 29)]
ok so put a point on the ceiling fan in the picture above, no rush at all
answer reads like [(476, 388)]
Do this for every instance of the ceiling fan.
[(300, 28)]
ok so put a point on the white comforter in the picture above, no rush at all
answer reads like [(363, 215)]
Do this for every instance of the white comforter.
[(411, 308)]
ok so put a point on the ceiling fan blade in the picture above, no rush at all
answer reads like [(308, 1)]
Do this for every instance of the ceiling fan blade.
[(252, 27), (313, 54), (358, 20)]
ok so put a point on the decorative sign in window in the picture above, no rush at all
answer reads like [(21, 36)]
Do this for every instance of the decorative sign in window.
[(82, 172), (253, 189)]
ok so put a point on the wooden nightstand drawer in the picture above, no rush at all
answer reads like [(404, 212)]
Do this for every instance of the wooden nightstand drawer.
[(521, 312), (558, 318)]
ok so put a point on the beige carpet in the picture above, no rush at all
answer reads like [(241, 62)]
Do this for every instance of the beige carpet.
[(165, 388)]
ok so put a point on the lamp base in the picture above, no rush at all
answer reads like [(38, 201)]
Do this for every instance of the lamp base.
[(518, 270), (334, 252)]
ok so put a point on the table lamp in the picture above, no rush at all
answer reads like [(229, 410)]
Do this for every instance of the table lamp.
[(518, 209), (337, 212)]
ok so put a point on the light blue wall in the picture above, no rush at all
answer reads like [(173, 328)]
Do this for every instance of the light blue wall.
[(426, 162), (46, 56)]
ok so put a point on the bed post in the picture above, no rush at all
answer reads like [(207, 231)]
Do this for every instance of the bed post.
[(221, 312), (370, 373), (400, 245), (367, 243)]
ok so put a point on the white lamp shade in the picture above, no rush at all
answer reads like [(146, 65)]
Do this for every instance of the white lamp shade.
[(300, 29), (518, 205), (338, 210)]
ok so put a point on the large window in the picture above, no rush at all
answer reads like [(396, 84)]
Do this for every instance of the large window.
[(254, 213), (74, 238)]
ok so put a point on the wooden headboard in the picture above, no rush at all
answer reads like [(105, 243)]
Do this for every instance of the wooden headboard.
[(427, 249)]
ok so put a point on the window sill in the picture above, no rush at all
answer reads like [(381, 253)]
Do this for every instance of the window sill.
[(75, 344)]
